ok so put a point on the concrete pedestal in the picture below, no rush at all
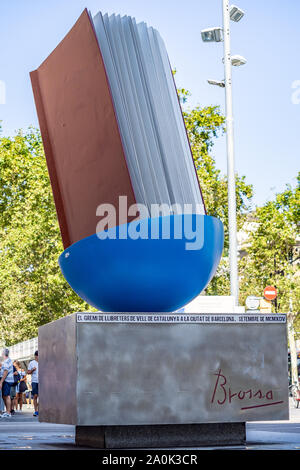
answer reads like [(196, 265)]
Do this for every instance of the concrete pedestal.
[(161, 436), (157, 380)]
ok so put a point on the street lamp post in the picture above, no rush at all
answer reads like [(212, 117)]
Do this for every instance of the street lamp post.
[(215, 35)]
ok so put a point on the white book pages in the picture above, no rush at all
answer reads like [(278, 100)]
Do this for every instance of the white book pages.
[(180, 122), (151, 84), (181, 148), (149, 116), (133, 108), (156, 175), (166, 125), (120, 109)]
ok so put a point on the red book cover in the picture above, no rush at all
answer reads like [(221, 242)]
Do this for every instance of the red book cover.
[(81, 138)]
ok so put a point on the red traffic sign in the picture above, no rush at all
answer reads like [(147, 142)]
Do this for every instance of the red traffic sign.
[(270, 293)]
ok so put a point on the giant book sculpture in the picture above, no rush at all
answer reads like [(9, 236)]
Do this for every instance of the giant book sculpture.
[(115, 138), (112, 126)]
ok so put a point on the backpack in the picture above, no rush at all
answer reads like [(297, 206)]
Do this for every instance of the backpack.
[(17, 377)]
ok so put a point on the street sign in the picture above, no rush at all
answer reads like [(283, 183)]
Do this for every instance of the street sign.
[(252, 302), (270, 293)]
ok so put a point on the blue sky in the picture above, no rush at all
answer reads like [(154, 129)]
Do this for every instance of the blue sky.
[(267, 123)]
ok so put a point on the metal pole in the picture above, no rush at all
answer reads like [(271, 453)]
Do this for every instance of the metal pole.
[(232, 227)]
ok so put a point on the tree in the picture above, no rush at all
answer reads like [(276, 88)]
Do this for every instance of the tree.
[(272, 252), (272, 258), (204, 125), (32, 289)]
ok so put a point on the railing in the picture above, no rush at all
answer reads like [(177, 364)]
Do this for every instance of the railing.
[(24, 350)]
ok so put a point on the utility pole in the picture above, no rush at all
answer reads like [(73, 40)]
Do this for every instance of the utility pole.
[(232, 225), (217, 34)]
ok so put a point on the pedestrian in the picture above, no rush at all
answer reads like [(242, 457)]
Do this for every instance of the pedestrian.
[(7, 379), (21, 387), (13, 388), (33, 370), (1, 399)]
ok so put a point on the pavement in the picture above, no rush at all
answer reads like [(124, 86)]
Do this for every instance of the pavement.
[(277, 435), (24, 432)]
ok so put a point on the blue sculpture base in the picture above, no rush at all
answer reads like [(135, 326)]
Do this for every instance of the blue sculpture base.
[(143, 267)]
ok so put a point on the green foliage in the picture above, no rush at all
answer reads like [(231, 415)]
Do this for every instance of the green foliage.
[(204, 125), (32, 289), (272, 252), (273, 229)]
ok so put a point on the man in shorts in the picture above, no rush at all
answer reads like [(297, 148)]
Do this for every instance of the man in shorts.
[(7, 380)]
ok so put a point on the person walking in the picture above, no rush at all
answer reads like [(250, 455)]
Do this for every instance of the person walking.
[(13, 388), (33, 370), (7, 379), (2, 407)]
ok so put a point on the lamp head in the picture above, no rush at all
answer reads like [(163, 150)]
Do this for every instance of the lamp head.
[(235, 13), (237, 60), (219, 83), (212, 35)]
